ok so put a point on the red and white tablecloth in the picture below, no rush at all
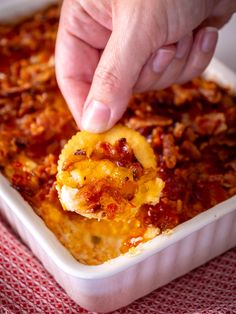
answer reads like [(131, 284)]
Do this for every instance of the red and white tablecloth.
[(25, 286)]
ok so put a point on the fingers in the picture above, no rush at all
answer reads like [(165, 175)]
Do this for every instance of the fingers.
[(116, 74), (201, 54), (75, 65), (98, 71), (164, 68), (99, 11), (154, 68), (179, 64), (77, 22), (76, 54), (112, 86)]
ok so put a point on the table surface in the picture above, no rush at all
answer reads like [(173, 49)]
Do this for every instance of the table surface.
[(25, 286)]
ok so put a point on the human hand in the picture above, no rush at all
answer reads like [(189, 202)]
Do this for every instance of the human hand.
[(108, 49)]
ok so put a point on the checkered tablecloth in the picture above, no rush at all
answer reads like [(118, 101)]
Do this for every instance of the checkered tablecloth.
[(26, 287)]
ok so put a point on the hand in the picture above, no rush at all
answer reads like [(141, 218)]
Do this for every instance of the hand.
[(108, 49)]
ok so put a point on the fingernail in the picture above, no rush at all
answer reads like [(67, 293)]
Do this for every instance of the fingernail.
[(96, 117), (183, 46), (209, 39), (162, 59)]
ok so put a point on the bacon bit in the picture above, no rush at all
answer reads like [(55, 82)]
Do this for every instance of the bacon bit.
[(211, 123), (163, 215), (17, 164), (95, 208), (209, 193), (230, 141), (120, 153), (72, 160), (232, 164), (229, 179), (93, 194), (122, 144), (232, 191), (14, 90), (175, 186), (103, 150), (190, 134), (231, 116), (20, 143), (124, 154), (151, 121), (21, 182), (211, 92), (80, 152), (111, 210), (137, 170), (179, 206), (183, 94), (128, 190), (191, 150), (170, 151), (178, 130), (157, 135)]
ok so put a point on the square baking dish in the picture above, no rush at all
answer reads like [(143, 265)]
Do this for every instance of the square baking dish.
[(120, 281)]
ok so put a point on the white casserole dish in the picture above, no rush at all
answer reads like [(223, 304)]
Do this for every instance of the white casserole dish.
[(120, 281)]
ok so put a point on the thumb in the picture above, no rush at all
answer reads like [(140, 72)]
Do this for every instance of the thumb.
[(113, 81)]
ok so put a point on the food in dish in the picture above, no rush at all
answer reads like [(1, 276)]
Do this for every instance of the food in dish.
[(191, 129)]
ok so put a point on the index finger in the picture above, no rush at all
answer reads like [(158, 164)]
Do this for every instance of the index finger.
[(77, 58)]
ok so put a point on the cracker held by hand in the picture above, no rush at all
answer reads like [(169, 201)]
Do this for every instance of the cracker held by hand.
[(109, 175)]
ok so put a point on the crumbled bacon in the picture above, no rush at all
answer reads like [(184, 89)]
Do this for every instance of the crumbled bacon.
[(211, 123), (120, 153), (196, 152), (93, 195), (192, 129)]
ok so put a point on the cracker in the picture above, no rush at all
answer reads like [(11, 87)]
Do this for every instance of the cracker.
[(108, 175)]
